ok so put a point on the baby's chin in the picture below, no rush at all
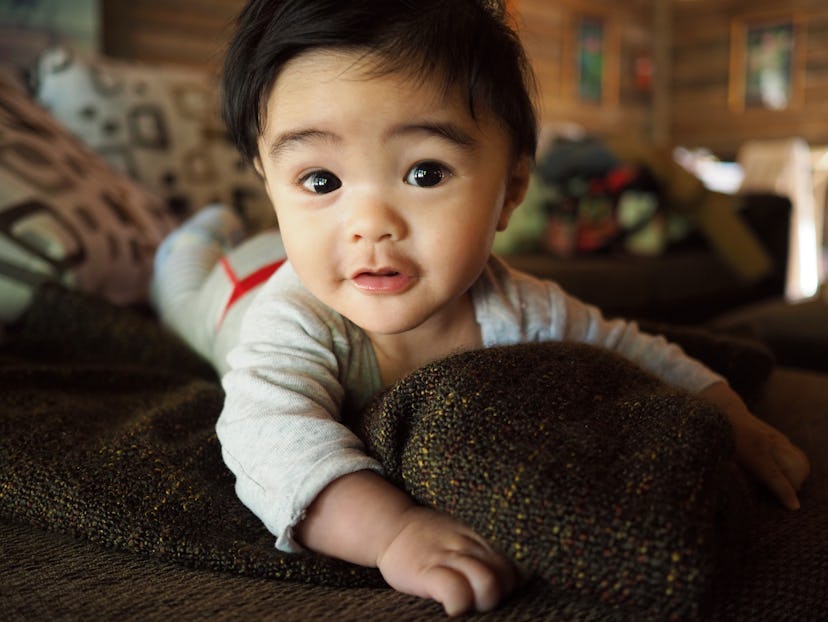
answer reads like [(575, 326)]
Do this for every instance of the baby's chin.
[(387, 326)]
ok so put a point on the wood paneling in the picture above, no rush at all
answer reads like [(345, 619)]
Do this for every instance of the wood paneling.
[(194, 32), (697, 112), (184, 32), (546, 29), (702, 115), (691, 108)]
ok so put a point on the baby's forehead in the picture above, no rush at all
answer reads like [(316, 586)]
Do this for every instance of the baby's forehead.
[(334, 96), (357, 64), (375, 79)]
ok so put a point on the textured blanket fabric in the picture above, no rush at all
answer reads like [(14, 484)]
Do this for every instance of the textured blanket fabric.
[(583, 468), (106, 433)]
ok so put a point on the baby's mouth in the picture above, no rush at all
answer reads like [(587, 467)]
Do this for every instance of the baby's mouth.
[(382, 281)]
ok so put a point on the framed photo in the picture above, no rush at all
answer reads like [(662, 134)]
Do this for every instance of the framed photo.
[(591, 58), (594, 60), (766, 63)]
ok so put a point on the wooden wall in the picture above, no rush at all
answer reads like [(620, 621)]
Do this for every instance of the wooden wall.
[(185, 32), (703, 114), (688, 104), (193, 32), (547, 30)]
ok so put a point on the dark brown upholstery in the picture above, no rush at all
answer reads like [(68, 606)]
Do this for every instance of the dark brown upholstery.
[(72, 361)]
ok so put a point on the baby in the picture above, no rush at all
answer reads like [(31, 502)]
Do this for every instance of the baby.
[(394, 139)]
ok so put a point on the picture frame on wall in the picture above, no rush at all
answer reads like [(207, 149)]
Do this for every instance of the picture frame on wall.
[(593, 60), (767, 61)]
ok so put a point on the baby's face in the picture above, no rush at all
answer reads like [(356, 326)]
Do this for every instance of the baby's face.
[(388, 194)]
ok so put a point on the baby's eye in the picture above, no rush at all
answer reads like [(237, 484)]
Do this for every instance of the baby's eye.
[(427, 174), (321, 182)]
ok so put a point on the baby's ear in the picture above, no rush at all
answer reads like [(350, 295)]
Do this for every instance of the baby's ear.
[(516, 187), (257, 164)]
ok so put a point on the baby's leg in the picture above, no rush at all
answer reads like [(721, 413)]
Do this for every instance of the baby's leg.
[(198, 268), (183, 263)]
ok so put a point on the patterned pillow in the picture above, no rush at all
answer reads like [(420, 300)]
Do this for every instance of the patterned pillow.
[(158, 124), (66, 216)]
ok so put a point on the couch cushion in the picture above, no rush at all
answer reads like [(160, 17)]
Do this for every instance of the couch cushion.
[(66, 216), (796, 332), (159, 124)]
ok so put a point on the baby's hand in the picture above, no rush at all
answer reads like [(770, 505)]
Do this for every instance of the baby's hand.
[(437, 557), (772, 458), (762, 449), (419, 551)]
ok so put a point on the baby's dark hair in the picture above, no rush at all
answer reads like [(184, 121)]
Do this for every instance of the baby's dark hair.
[(466, 43)]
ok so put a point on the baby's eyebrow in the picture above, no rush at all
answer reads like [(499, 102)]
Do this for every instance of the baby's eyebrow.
[(285, 141), (447, 131)]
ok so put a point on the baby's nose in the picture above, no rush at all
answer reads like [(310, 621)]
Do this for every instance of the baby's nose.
[(373, 219)]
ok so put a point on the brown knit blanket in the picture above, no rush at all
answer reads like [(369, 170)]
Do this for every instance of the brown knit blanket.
[(107, 432), (588, 472)]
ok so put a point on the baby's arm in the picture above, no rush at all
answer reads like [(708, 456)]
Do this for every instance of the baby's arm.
[(364, 519), (307, 477), (761, 448)]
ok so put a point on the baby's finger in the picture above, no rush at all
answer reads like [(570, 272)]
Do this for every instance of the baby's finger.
[(449, 588), (794, 464), (776, 480), (490, 579), (773, 459), (784, 492)]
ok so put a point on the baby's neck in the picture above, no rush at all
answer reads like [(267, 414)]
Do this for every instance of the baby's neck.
[(398, 355)]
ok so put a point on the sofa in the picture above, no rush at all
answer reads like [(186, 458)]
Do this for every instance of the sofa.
[(114, 503)]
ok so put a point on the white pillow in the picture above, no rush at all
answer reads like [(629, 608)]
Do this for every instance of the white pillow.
[(158, 124), (66, 216)]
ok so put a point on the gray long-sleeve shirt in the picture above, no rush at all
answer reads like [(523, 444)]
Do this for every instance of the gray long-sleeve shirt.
[(299, 365)]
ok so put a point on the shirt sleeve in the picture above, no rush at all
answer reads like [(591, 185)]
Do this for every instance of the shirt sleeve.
[(280, 428), (585, 323), (529, 309)]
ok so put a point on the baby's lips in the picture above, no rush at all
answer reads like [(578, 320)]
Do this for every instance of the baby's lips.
[(382, 282)]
